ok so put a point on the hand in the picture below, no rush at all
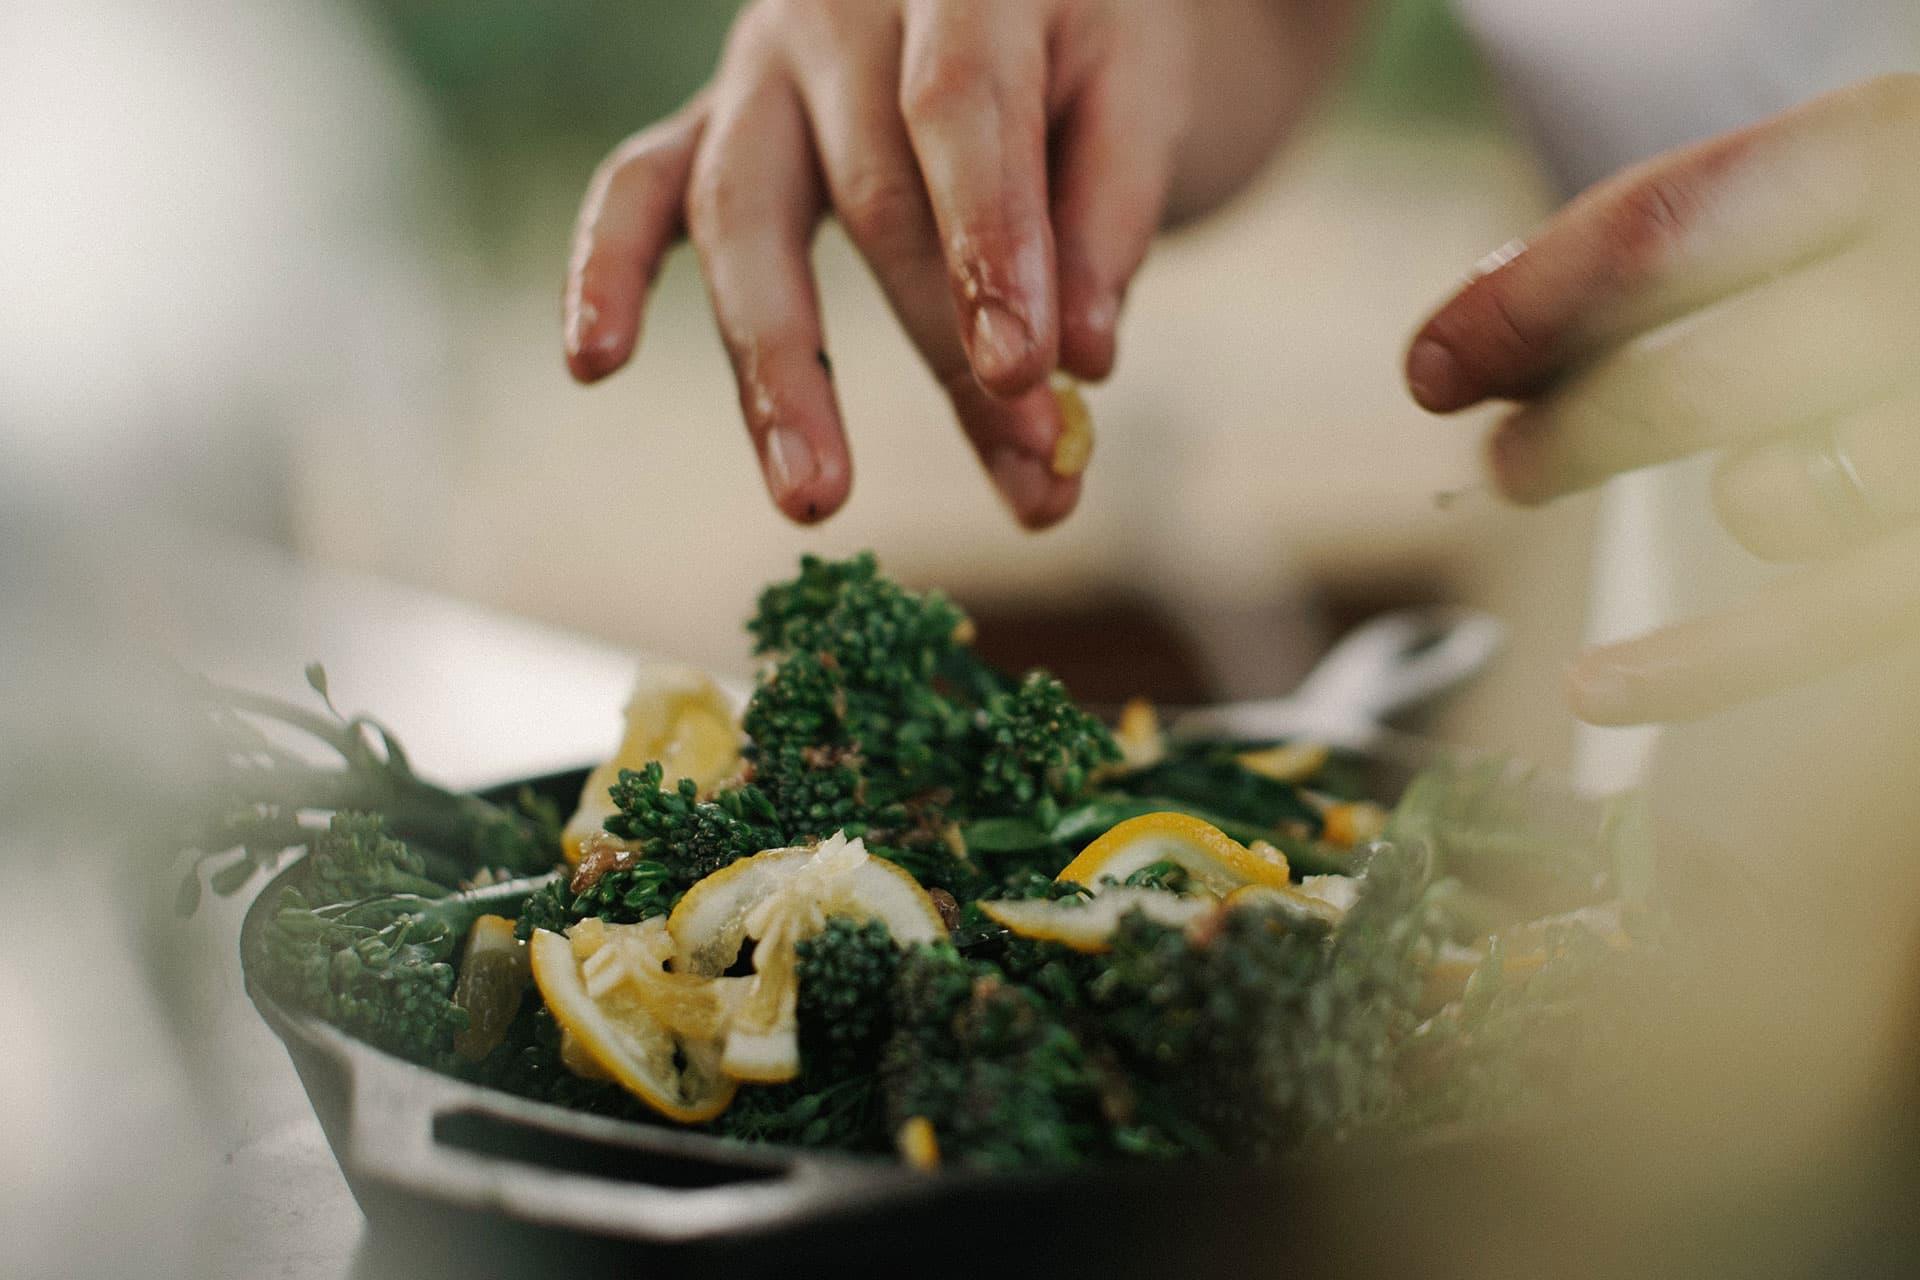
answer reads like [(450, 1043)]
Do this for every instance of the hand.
[(925, 128), (1758, 296)]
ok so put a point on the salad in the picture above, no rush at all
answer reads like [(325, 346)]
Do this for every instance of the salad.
[(901, 903)]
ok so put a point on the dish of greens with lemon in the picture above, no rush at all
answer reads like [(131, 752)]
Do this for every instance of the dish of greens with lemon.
[(903, 903)]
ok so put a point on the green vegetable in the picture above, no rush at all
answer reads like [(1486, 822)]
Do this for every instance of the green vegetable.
[(376, 961), (1254, 1033), (1003, 1080), (846, 973), (264, 781), (691, 838), (624, 895)]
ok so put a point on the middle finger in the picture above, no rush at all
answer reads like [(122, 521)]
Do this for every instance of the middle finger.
[(877, 191)]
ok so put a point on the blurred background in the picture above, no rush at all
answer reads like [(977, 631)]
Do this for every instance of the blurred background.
[(304, 259), (280, 379)]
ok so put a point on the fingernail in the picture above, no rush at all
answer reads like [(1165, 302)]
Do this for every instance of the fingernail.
[(1103, 314), (581, 316), (1023, 480), (1433, 375), (791, 461), (1001, 343)]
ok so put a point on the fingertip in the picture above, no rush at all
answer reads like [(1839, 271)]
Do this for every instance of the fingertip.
[(1038, 497), (1059, 502), (1599, 691), (1515, 460), (597, 358), (809, 478), (1008, 358), (1089, 339), (595, 343), (1435, 377)]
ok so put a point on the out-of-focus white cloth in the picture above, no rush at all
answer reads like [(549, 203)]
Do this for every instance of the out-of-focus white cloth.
[(1602, 86), (207, 241)]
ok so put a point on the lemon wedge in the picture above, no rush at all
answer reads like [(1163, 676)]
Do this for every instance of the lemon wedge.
[(779, 898), (678, 716), (1215, 863), (616, 1036), (1088, 924)]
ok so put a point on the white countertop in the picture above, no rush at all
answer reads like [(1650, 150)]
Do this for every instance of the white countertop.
[(163, 1130)]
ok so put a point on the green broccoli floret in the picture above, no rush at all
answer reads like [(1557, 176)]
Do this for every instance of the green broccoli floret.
[(1042, 749), (876, 717), (880, 634), (990, 1064), (845, 975), (1268, 1032), (690, 837), (623, 895), (356, 858), (380, 965)]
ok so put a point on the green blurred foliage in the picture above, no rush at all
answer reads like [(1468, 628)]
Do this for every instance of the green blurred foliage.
[(529, 75), (529, 93), (1418, 64)]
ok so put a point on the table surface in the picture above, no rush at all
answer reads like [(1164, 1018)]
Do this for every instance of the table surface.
[(476, 697)]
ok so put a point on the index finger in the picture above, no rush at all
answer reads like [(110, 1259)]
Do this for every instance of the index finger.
[(1651, 244)]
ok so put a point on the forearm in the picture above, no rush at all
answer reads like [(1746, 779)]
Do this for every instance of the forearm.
[(1258, 66)]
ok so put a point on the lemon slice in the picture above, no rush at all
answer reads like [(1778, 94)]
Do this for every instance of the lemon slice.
[(1288, 762), (1088, 924), (779, 898), (1138, 736), (1324, 898), (1355, 822), (678, 716), (493, 978), (692, 1006), (615, 1035), (1214, 862)]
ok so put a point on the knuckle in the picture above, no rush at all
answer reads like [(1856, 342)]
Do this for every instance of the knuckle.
[(939, 82), (880, 205), (1651, 215), (714, 204)]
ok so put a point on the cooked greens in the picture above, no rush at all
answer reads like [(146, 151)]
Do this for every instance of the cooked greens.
[(1290, 987)]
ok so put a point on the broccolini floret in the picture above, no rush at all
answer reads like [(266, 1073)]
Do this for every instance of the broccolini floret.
[(990, 1064), (1042, 750), (876, 718), (690, 837), (846, 976), (378, 965), (623, 895)]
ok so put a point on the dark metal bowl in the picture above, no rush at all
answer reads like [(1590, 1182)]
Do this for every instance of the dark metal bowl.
[(459, 1179)]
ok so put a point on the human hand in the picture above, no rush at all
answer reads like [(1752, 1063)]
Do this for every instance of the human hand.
[(1001, 164), (1757, 295)]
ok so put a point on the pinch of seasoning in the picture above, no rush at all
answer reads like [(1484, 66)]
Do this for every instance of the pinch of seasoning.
[(918, 1144), (1074, 449)]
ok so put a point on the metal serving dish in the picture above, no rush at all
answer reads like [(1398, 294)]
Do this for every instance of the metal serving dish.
[(459, 1179)]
